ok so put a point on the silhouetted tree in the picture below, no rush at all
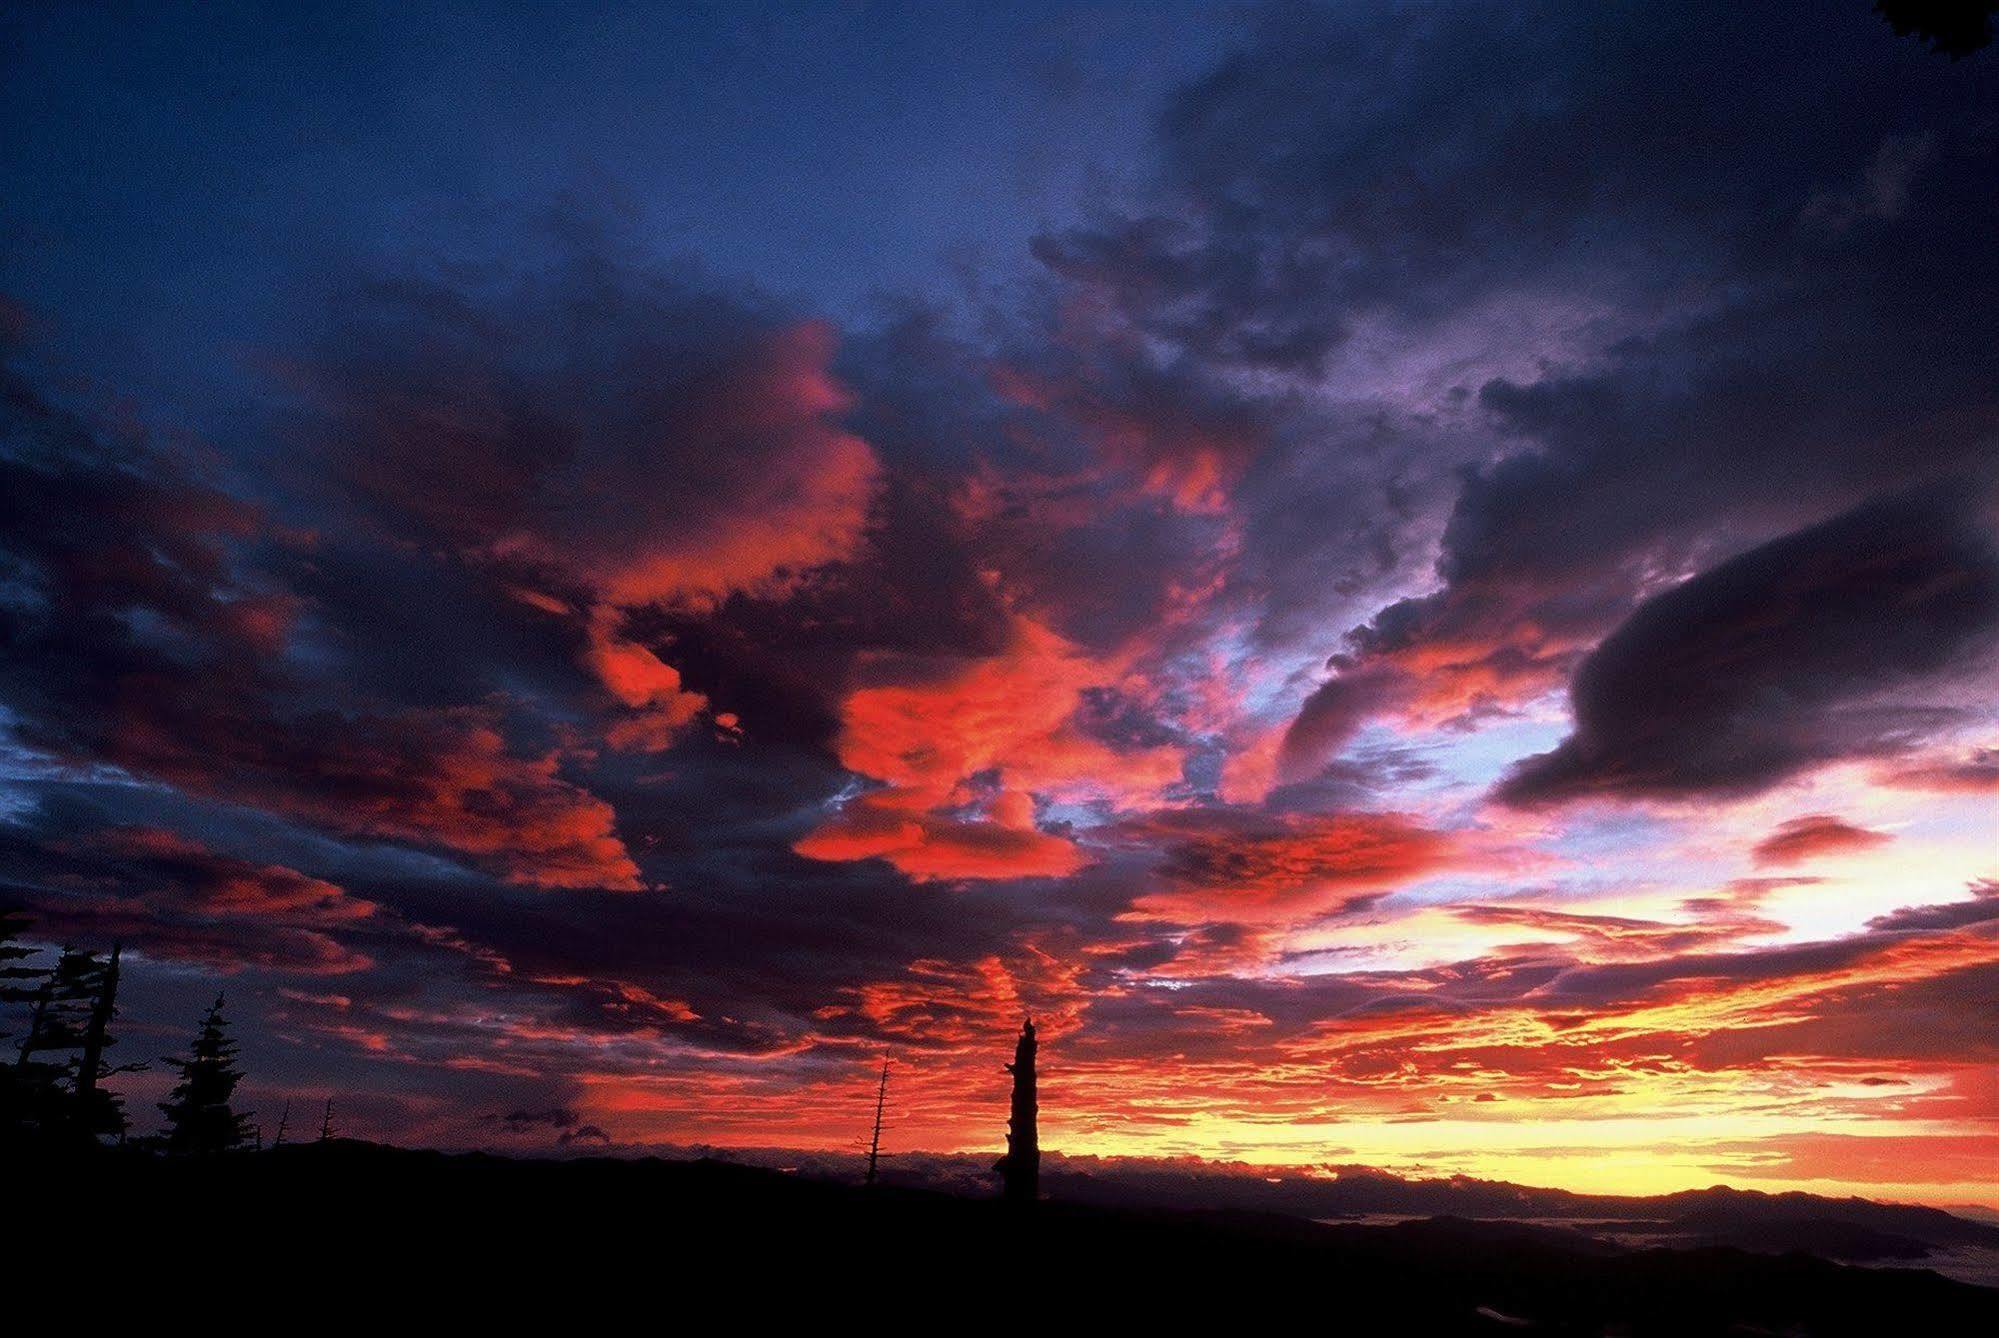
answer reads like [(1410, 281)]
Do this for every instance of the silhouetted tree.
[(284, 1122), (326, 1123), (14, 978), (97, 1111), (18, 985), (1954, 27), (875, 1140), (199, 1118), (53, 1091), (61, 1004), (1020, 1168)]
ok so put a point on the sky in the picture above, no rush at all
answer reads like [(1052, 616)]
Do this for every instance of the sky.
[(1419, 584)]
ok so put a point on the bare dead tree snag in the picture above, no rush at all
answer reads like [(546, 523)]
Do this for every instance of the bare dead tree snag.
[(1020, 1168), (875, 1140)]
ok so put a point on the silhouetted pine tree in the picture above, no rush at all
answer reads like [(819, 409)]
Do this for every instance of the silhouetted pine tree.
[(96, 1111), (44, 1083), (1955, 28), (14, 978), (199, 1118), (18, 1084), (60, 1006)]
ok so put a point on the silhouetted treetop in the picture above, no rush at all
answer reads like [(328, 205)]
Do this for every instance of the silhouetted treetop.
[(200, 1120), (1956, 28)]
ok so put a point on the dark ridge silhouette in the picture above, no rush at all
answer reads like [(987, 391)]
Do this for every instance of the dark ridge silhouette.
[(1020, 1168), (1751, 1218), (356, 1225), (1954, 28)]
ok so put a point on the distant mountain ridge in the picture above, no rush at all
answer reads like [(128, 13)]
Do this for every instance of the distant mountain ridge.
[(1358, 1191), (478, 1240), (1841, 1228)]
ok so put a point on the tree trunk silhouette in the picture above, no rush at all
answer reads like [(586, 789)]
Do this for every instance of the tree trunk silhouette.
[(101, 1011), (1020, 1168), (875, 1142)]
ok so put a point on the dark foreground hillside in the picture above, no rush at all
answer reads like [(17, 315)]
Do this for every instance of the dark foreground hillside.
[(347, 1233)]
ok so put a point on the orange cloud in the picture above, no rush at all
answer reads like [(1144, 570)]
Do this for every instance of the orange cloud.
[(957, 1005), (1237, 865), (801, 502), (650, 687), (1010, 719), (929, 847), (1012, 713)]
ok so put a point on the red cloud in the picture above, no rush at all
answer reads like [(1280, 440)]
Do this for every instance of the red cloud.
[(1010, 719), (1012, 713), (1232, 864), (1816, 834), (942, 1004), (676, 453), (214, 884), (660, 706), (1179, 447), (930, 847), (442, 778), (172, 897)]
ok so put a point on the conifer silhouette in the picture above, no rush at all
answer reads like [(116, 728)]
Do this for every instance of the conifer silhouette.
[(14, 987), (19, 1084), (52, 1092), (62, 1005), (199, 1118), (1955, 28), (97, 1111)]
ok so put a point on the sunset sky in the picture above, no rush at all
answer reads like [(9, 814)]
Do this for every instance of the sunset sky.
[(1420, 584)]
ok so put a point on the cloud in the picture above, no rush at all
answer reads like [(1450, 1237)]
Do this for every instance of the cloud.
[(1243, 865), (892, 825), (599, 438), (600, 423), (528, 1121), (173, 898), (1981, 908), (1974, 772), (1809, 837), (446, 779), (994, 732), (1565, 286), (1782, 658), (141, 636)]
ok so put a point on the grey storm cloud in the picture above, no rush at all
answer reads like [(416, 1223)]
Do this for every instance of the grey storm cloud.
[(1779, 659)]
